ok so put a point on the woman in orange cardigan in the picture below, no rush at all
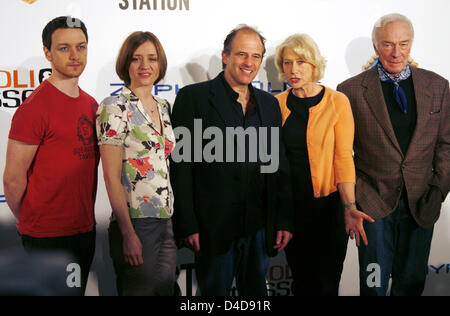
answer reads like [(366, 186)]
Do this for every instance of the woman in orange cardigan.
[(318, 131)]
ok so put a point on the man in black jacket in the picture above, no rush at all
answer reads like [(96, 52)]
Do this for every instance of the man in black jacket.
[(232, 196)]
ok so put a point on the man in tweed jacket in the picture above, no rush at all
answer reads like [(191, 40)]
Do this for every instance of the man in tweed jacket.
[(402, 159)]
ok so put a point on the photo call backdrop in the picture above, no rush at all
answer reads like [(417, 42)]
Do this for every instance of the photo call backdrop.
[(192, 33)]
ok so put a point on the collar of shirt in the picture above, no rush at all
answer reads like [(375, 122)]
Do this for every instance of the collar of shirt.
[(234, 95), (163, 108), (387, 77), (129, 94), (135, 104), (398, 93)]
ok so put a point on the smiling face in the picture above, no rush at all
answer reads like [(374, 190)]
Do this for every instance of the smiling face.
[(144, 67), (245, 58), (297, 71), (68, 53), (393, 46)]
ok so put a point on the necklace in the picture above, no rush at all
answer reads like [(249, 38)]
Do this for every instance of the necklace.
[(147, 106)]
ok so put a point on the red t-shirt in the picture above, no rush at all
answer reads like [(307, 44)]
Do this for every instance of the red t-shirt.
[(62, 179)]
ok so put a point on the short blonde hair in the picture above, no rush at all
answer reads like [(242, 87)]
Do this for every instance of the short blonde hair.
[(305, 47)]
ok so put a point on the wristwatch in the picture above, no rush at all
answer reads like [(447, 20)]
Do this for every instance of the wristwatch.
[(349, 204)]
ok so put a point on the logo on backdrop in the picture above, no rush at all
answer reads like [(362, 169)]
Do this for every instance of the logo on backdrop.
[(163, 89), (155, 5), (442, 269), (278, 280), (29, 1), (17, 85), (2, 199)]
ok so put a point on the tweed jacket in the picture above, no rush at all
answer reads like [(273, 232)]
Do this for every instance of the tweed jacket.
[(382, 170)]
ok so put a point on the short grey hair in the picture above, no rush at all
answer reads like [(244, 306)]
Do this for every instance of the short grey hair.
[(385, 20)]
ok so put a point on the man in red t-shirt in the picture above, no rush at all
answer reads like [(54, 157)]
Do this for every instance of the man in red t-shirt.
[(50, 177)]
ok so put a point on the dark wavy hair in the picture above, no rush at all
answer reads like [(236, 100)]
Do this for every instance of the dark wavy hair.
[(61, 22)]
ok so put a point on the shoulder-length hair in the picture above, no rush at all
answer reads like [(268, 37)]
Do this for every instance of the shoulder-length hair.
[(133, 41), (306, 49)]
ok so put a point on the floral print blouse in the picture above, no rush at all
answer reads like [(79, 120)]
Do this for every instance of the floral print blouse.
[(122, 121)]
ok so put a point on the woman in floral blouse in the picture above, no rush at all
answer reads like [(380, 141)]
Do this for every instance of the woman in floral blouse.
[(136, 138)]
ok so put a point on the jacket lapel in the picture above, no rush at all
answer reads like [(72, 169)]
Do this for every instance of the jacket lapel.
[(423, 96), (265, 115), (218, 99), (373, 94)]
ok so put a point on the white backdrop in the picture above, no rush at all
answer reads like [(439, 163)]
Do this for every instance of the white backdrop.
[(192, 33)]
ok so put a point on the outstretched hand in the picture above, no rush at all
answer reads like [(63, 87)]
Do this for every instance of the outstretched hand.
[(354, 224)]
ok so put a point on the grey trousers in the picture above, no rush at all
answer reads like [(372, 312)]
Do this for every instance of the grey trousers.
[(156, 277)]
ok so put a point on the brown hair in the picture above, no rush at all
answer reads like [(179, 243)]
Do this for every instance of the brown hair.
[(228, 42), (62, 22), (133, 41)]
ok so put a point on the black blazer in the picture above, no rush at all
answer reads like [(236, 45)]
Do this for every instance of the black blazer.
[(204, 192)]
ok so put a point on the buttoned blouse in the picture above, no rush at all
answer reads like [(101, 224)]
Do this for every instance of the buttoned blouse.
[(122, 121)]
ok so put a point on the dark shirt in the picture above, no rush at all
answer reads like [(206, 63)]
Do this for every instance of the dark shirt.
[(251, 181), (403, 124), (294, 136)]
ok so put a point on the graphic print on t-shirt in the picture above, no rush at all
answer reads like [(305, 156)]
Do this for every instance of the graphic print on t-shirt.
[(86, 135)]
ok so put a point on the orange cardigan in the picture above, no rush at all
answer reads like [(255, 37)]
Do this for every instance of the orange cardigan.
[(329, 139)]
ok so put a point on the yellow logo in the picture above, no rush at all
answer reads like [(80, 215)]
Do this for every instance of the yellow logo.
[(29, 1)]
